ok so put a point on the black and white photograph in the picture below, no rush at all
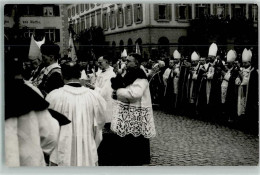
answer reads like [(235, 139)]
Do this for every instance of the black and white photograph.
[(125, 84)]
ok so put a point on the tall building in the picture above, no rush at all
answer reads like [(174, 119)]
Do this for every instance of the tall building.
[(47, 19), (152, 26)]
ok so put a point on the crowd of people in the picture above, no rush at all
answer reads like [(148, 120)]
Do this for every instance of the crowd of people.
[(62, 112), (57, 111), (213, 88)]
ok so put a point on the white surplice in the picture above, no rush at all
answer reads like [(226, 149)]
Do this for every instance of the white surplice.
[(79, 140), (103, 87), (132, 111)]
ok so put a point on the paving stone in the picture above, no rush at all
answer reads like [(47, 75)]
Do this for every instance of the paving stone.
[(183, 141)]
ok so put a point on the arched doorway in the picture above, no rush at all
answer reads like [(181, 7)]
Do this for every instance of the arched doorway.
[(130, 45), (121, 45), (163, 46), (114, 48)]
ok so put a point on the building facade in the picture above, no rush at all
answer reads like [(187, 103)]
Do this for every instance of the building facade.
[(48, 20), (152, 26)]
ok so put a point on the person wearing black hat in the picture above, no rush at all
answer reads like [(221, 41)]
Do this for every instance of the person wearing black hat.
[(50, 77)]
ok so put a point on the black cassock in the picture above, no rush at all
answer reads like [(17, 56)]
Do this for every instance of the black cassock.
[(201, 91), (169, 96), (252, 107), (232, 95), (215, 103), (183, 88)]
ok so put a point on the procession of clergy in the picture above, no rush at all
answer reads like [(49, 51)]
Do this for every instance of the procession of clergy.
[(59, 115), (212, 87)]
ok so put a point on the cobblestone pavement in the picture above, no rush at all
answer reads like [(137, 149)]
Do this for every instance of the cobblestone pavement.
[(183, 141)]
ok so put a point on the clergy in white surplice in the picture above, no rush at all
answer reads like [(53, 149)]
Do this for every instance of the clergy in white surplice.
[(103, 84), (78, 142)]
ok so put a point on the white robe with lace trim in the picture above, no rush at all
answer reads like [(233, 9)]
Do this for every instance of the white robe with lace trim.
[(79, 140), (132, 112)]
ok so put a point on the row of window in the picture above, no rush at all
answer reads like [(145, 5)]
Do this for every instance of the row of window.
[(163, 12), (31, 10), (80, 8), (119, 17), (50, 34)]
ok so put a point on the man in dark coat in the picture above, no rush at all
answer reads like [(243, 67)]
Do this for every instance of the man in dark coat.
[(50, 77)]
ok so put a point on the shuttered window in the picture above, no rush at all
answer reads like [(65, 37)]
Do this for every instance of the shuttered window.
[(77, 9), (112, 19), (253, 12), (128, 15), (202, 10), (104, 20), (183, 12), (82, 7), (73, 11), (120, 17), (86, 7), (163, 12), (93, 21), (87, 21), (138, 13), (220, 10), (238, 10), (82, 24), (69, 13), (99, 18)]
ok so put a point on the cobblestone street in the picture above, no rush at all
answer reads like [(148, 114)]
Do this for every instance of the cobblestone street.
[(183, 141)]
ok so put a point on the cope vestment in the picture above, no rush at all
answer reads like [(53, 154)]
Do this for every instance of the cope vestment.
[(78, 141), (50, 78)]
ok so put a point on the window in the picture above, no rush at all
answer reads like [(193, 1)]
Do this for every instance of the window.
[(82, 24), (253, 12), (104, 21), (183, 12), (220, 10), (81, 8), (69, 13), (203, 10), (112, 20), (73, 11), (87, 21), (120, 17), (28, 33), (78, 27), (92, 5), (238, 10), (163, 12), (138, 13), (77, 9), (47, 11), (128, 15), (50, 35), (99, 18), (86, 7), (93, 22)]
